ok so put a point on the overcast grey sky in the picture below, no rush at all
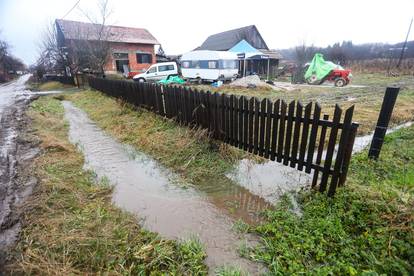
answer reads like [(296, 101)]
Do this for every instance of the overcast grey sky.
[(183, 25)]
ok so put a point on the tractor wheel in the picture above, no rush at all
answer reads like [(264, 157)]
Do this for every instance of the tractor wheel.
[(312, 80), (340, 82)]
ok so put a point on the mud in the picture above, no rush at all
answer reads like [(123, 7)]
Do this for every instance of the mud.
[(17, 151), (157, 196)]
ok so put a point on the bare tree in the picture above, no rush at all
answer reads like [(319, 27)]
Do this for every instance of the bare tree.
[(304, 53), (94, 45), (88, 51), (52, 57), (8, 62)]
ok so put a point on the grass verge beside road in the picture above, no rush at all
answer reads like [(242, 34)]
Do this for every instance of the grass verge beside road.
[(70, 225)]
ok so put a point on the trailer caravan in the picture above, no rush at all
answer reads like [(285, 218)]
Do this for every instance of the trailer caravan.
[(204, 65)]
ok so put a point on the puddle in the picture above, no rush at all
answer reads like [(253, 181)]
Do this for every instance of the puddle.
[(152, 193), (270, 179), (362, 142)]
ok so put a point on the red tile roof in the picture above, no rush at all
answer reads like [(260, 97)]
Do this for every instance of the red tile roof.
[(89, 31)]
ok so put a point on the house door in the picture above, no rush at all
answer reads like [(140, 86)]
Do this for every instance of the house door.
[(121, 60), (120, 64)]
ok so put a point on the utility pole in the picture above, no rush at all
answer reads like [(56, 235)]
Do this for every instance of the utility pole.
[(404, 46)]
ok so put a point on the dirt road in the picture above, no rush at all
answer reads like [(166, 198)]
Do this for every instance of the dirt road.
[(16, 151)]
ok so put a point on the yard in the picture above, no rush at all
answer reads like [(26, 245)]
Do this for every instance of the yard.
[(366, 228), (366, 92)]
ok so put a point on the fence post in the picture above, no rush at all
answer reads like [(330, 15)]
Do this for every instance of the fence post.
[(384, 117)]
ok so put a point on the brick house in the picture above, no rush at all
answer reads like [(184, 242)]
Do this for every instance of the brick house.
[(129, 47)]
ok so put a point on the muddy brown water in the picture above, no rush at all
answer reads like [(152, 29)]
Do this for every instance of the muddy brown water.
[(156, 196)]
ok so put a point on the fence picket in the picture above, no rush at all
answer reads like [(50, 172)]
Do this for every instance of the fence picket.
[(296, 134), (289, 130), (331, 148), (341, 150), (236, 122), (280, 142), (268, 128), (251, 115), (312, 138), (256, 126), (262, 126), (275, 126), (304, 138), (241, 125), (320, 152)]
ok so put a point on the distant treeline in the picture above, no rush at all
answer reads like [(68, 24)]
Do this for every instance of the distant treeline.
[(8, 63), (345, 52)]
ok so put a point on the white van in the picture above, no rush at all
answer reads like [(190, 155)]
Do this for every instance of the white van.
[(204, 65), (157, 72)]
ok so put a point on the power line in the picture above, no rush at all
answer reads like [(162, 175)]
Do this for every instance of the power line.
[(404, 45), (74, 6)]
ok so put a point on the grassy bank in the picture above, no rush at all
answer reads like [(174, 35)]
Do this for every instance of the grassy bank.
[(188, 152), (368, 228), (70, 225)]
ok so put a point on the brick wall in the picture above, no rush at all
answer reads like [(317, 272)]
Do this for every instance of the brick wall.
[(131, 49)]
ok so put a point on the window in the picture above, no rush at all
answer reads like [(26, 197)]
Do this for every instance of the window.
[(120, 55), (212, 64), (186, 64), (228, 64), (200, 64), (163, 68), (144, 58), (203, 64), (152, 70)]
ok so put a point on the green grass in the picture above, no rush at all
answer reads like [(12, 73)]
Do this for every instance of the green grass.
[(71, 227), (368, 228), (229, 271)]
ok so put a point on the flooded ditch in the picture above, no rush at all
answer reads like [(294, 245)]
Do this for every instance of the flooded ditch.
[(180, 211), (156, 196)]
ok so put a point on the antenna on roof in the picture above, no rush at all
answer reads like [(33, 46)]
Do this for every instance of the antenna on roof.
[(74, 6)]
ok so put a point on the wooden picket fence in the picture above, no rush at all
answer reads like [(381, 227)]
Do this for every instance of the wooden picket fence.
[(295, 135)]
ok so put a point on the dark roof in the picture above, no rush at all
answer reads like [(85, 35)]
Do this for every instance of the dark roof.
[(81, 30), (225, 40), (273, 54)]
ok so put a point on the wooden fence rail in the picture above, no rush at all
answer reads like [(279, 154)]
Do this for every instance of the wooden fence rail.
[(292, 134)]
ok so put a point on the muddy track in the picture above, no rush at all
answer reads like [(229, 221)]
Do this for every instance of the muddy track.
[(17, 150)]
